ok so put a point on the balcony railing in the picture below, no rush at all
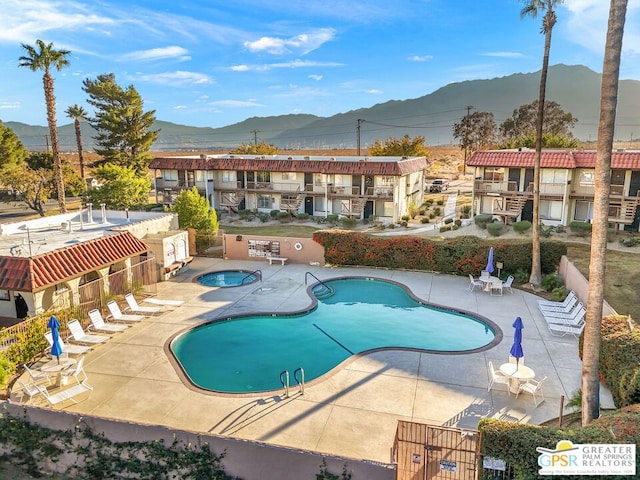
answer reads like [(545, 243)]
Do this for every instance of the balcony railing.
[(273, 186)]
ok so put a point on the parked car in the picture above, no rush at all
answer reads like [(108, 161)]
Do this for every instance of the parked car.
[(438, 186)]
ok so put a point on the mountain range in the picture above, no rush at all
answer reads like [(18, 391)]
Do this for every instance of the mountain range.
[(575, 87)]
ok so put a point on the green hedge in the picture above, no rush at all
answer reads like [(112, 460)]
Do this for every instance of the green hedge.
[(582, 229), (460, 255), (495, 229), (482, 219), (522, 226)]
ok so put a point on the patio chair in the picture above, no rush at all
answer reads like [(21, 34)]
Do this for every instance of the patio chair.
[(78, 335), (572, 318), (67, 349), (506, 285), (484, 274), (135, 308), (549, 303), (98, 323), (36, 375), (560, 330), (473, 283), (30, 389), (562, 309), (163, 302), (117, 314), (534, 387), (75, 372), (496, 286), (66, 394), (496, 377)]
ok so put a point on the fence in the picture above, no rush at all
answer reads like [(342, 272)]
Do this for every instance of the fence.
[(140, 279)]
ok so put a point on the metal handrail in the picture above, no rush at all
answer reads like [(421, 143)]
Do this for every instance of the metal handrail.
[(300, 380), (285, 382), (255, 272)]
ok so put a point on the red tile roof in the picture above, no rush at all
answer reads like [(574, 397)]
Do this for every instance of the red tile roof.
[(552, 159), (36, 273), (362, 167)]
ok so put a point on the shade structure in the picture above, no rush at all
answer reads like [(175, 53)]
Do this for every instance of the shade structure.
[(516, 349), (490, 261), (56, 348)]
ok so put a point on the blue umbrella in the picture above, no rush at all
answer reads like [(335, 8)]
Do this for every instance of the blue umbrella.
[(516, 349), (56, 348), (490, 261)]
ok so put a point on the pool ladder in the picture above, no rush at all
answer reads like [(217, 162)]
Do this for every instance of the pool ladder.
[(298, 376)]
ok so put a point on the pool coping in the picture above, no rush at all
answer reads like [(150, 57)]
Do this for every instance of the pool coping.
[(186, 380)]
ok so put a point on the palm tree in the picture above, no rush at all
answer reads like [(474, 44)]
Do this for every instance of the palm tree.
[(78, 113), (43, 59), (531, 9), (608, 102)]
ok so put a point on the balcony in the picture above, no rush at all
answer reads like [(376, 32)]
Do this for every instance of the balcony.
[(273, 187)]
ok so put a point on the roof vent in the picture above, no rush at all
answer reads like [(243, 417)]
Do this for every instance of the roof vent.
[(232, 156), (307, 158), (620, 150), (289, 158)]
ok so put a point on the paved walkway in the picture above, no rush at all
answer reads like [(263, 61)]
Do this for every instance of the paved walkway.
[(354, 411)]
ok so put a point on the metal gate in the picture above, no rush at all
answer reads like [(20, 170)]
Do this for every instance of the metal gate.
[(424, 452)]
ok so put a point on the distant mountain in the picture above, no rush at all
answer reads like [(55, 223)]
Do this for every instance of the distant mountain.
[(576, 88)]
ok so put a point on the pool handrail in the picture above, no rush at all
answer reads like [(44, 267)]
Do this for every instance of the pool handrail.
[(300, 380), (285, 382), (319, 281), (255, 272)]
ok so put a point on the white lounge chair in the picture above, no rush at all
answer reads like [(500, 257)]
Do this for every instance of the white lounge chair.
[(534, 387), (67, 349), (98, 323), (75, 372), (560, 330), (29, 389), (549, 303), (135, 308), (497, 377), (563, 308), (473, 283), (163, 302), (78, 335), (36, 375), (117, 314), (572, 318), (506, 285), (66, 394)]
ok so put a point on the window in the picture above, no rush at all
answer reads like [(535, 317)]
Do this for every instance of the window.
[(384, 181), (263, 177), (228, 176), (550, 210), (170, 174), (264, 201), (587, 178), (494, 174), (584, 211), (318, 204), (199, 175), (387, 209), (550, 175), (4, 294), (317, 179), (61, 287), (288, 176)]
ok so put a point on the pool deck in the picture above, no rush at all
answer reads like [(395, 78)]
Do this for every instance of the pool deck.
[(353, 412)]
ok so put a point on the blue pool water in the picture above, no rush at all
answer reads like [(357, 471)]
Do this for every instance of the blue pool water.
[(227, 278), (247, 354)]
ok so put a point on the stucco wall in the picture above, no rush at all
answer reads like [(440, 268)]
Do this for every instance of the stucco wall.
[(574, 280), (236, 247), (246, 459)]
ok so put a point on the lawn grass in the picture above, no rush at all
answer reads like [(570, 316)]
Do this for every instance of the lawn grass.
[(622, 277), (281, 230)]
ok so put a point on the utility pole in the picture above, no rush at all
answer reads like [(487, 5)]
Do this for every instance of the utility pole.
[(466, 138), (358, 122), (255, 136)]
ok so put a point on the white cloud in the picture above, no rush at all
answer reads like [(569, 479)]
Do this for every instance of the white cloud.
[(240, 68), (315, 77), (302, 44), (10, 105), (502, 54), (178, 78), (180, 107), (235, 103), (374, 91), (292, 64), (420, 58), (173, 52)]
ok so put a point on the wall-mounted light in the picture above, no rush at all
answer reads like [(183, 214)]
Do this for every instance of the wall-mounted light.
[(238, 238)]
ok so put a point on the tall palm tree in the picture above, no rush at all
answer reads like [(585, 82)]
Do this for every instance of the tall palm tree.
[(44, 58), (531, 9), (608, 103), (78, 113)]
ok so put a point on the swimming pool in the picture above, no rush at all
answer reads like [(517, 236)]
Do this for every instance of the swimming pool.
[(228, 278), (247, 354)]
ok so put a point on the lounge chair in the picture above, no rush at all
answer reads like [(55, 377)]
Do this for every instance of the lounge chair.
[(548, 303), (66, 394), (78, 335), (506, 285), (572, 318), (35, 375), (67, 349), (496, 377), (117, 314), (560, 330), (473, 283), (135, 308), (75, 372), (564, 308), (98, 323), (30, 389), (533, 387), (163, 302)]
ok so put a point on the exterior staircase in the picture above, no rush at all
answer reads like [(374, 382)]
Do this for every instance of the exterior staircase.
[(232, 200), (509, 207)]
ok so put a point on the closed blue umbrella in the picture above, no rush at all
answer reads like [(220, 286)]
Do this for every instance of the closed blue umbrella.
[(56, 348), (490, 261), (516, 349)]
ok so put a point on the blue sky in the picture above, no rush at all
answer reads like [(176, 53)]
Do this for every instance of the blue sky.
[(215, 63)]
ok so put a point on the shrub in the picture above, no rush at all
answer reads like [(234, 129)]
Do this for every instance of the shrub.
[(424, 220), (320, 220), (559, 293), (546, 232), (404, 223), (245, 214), (412, 210), (581, 229), (429, 202), (522, 275), (264, 217), (302, 216), (495, 229), (629, 241), (445, 228), (432, 215), (551, 282), (482, 220), (447, 221), (437, 211), (348, 223), (458, 222), (440, 202), (522, 226), (406, 218), (422, 212), (6, 369), (274, 213), (284, 217), (332, 219), (465, 211), (455, 227), (392, 225)]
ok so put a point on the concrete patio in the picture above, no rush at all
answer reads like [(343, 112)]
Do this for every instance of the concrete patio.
[(353, 411)]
